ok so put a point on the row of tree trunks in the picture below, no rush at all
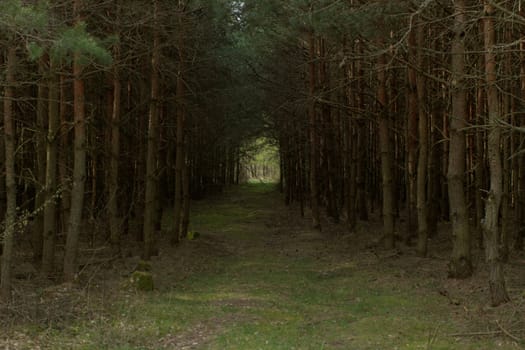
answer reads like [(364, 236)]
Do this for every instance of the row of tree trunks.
[(425, 155)]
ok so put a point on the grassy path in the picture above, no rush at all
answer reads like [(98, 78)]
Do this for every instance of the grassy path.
[(259, 278)]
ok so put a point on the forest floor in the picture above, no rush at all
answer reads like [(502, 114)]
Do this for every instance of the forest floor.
[(258, 277)]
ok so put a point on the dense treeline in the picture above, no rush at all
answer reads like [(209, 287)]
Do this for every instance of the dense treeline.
[(113, 111), (408, 108)]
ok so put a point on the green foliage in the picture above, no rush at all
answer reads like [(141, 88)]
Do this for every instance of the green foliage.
[(192, 235), (32, 23), (17, 17), (26, 22), (143, 266), (142, 281), (35, 51), (77, 40)]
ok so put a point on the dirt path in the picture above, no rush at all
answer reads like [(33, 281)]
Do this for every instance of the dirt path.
[(259, 278), (274, 283)]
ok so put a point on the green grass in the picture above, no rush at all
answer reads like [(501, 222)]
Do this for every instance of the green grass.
[(265, 300)]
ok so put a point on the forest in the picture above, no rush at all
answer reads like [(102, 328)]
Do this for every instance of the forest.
[(149, 146)]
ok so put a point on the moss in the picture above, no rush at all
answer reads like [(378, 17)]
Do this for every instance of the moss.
[(143, 266), (142, 280), (192, 235)]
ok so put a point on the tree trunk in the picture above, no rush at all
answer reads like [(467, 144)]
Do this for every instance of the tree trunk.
[(48, 252), (479, 172), (422, 164), (64, 156), (151, 157), (113, 185), (386, 155), (10, 215), (491, 225), (412, 136), (180, 157), (361, 142), (314, 138), (41, 166), (185, 191), (351, 151), (79, 167), (519, 243), (2, 176), (460, 265)]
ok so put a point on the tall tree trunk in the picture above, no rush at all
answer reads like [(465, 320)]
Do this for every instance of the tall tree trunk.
[(351, 151), (79, 163), (422, 163), (113, 185), (412, 136), (151, 157), (386, 155), (491, 225), (479, 172), (179, 154), (460, 265), (41, 165), (2, 176), (79, 171), (519, 243), (10, 215), (361, 143), (185, 190), (48, 252), (508, 145), (64, 156), (314, 138)]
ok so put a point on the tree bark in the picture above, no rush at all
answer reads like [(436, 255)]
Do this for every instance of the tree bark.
[(79, 163), (314, 138), (479, 172), (186, 199), (64, 156), (113, 185), (422, 164), (519, 243), (460, 265), (151, 157), (412, 136), (41, 165), (179, 153), (49, 230), (10, 215), (491, 224), (386, 155)]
